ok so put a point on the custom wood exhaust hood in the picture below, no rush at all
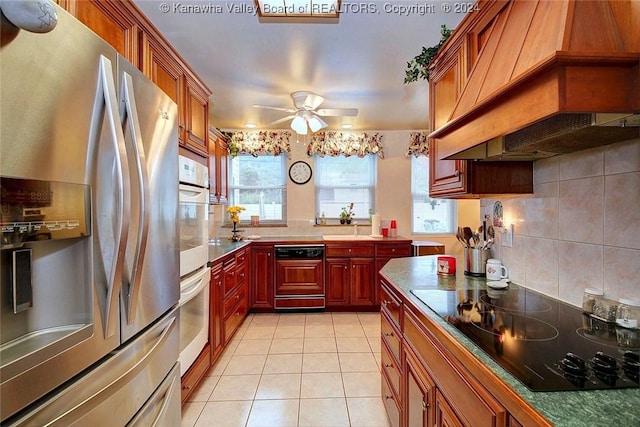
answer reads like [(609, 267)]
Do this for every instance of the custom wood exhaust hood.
[(536, 78)]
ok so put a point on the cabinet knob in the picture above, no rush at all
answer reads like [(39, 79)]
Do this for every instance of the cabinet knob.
[(393, 250), (237, 296), (388, 334), (456, 173), (388, 365), (425, 405), (388, 397)]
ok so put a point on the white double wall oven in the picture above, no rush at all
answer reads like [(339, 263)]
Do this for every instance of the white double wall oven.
[(194, 253)]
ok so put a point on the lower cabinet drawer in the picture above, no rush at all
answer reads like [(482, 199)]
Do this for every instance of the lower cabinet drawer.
[(391, 369), (390, 403), (233, 320), (391, 337), (230, 302)]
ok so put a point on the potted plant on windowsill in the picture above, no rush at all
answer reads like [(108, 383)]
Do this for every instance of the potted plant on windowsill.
[(346, 214)]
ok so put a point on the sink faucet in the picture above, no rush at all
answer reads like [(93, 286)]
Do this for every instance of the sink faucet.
[(355, 228)]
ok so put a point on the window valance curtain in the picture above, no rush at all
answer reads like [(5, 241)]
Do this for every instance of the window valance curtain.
[(418, 144), (347, 144), (255, 143)]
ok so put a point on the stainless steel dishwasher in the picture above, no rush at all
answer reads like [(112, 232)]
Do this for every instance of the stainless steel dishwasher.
[(299, 277)]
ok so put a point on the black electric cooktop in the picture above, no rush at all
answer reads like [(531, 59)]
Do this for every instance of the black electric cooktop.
[(547, 344)]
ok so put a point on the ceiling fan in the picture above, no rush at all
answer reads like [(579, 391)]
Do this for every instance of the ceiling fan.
[(306, 114)]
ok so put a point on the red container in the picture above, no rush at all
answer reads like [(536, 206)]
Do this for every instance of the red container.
[(446, 265)]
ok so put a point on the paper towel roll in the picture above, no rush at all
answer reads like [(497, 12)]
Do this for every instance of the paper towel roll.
[(375, 225)]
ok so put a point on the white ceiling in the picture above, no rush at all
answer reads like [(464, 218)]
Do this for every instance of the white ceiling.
[(358, 62)]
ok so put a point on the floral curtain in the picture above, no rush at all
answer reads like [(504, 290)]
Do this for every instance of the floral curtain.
[(347, 144), (418, 144), (260, 142)]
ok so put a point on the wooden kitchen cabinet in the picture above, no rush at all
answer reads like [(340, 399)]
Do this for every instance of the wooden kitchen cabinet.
[(160, 66), (123, 26), (262, 277), (460, 399), (218, 167), (470, 178), (194, 375), (216, 318), (350, 274), (430, 381), (386, 251), (196, 116), (114, 22), (465, 178), (420, 394)]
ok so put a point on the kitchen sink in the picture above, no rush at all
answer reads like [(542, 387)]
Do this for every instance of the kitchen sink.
[(347, 237)]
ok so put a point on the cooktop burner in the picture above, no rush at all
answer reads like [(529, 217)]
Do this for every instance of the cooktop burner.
[(547, 344)]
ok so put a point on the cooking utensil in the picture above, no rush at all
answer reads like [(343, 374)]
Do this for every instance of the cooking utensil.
[(491, 232), (467, 234), (460, 237)]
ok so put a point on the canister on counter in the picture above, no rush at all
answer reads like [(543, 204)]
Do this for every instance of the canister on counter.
[(446, 265)]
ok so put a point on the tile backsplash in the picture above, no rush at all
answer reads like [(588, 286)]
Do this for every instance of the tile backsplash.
[(580, 228)]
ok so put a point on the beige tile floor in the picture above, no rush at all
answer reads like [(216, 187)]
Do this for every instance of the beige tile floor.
[(295, 369)]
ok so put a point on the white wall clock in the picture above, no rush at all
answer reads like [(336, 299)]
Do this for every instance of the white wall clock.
[(300, 172)]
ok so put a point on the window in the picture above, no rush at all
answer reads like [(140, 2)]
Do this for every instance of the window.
[(259, 185), (341, 181), (429, 216)]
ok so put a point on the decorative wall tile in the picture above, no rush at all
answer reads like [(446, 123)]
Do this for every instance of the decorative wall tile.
[(624, 157), (621, 273), (546, 170), (580, 267), (542, 265), (622, 210), (541, 211), (581, 210), (582, 164), (581, 226)]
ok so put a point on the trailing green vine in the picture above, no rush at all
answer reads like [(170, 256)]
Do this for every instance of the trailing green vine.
[(418, 67)]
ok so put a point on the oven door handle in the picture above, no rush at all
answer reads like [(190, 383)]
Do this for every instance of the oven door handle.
[(189, 194), (193, 285)]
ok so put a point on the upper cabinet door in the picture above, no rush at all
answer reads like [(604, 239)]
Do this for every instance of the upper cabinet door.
[(114, 26), (196, 116)]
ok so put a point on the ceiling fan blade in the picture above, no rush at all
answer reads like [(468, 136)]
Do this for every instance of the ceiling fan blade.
[(313, 101), (268, 107), (284, 119), (335, 112)]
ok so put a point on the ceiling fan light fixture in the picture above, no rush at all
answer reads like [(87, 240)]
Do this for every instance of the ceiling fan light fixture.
[(316, 123), (299, 125)]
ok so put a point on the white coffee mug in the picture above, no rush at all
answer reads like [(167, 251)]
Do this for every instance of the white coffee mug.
[(495, 270)]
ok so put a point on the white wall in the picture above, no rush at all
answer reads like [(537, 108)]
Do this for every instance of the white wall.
[(393, 199)]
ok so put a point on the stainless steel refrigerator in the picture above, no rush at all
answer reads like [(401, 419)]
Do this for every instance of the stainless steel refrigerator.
[(89, 328)]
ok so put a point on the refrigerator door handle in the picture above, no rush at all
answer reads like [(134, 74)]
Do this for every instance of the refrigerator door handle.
[(164, 397), (91, 402), (110, 239), (129, 117)]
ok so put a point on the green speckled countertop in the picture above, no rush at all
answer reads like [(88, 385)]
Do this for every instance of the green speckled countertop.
[(565, 408)]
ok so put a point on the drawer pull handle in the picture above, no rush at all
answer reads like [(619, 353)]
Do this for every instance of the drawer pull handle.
[(388, 334), (425, 405), (388, 397), (388, 365)]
